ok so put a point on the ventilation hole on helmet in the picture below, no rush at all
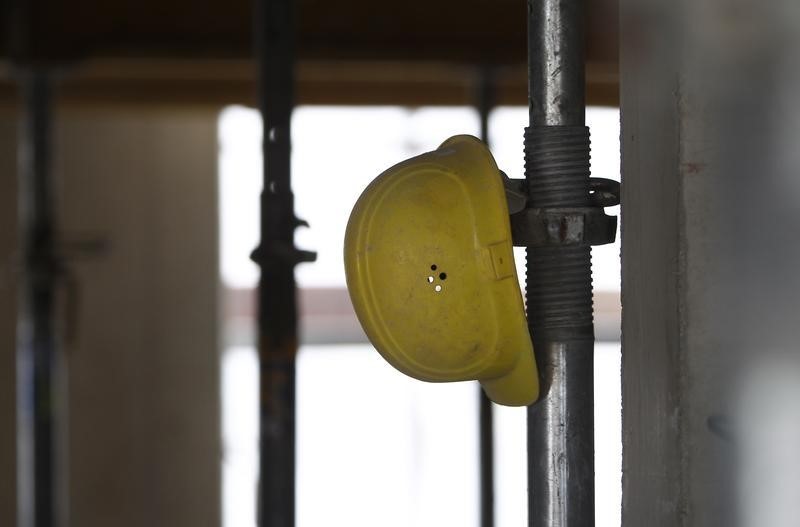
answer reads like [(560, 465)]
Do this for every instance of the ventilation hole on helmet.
[(430, 279), (443, 276), (433, 267), (438, 288)]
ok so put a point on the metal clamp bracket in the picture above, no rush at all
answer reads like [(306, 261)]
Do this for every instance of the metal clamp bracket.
[(553, 227), (276, 248)]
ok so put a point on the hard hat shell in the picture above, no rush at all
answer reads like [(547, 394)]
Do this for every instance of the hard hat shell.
[(430, 271)]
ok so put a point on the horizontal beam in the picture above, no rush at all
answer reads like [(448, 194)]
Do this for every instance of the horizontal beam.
[(328, 317), (222, 82), (462, 31)]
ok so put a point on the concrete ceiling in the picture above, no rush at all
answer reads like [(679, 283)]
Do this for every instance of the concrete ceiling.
[(349, 51)]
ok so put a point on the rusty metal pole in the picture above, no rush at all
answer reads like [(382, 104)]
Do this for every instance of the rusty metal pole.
[(277, 258)]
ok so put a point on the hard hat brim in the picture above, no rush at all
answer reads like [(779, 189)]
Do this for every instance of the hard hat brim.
[(515, 388)]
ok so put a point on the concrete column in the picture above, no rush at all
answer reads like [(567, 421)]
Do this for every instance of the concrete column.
[(145, 445), (143, 344), (710, 293)]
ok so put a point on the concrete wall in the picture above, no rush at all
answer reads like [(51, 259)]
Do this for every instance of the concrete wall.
[(144, 411), (653, 354), (710, 290)]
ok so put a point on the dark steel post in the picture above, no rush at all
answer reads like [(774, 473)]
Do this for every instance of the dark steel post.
[(277, 257), (558, 281), (486, 460), (485, 103), (38, 346)]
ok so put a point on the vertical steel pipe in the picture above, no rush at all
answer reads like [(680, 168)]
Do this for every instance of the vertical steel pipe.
[(38, 346), (277, 257), (485, 103), (486, 459), (558, 279), (556, 64)]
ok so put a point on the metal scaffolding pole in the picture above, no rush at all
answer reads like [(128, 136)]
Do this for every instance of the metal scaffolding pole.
[(558, 278), (277, 257), (38, 345), (485, 103)]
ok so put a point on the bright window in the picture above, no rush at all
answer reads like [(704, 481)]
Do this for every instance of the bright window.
[(376, 447)]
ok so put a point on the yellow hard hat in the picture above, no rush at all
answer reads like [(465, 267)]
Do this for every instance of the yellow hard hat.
[(430, 270)]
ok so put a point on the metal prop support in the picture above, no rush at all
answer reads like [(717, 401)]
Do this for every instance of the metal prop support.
[(41, 405), (485, 103), (562, 219), (277, 257)]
